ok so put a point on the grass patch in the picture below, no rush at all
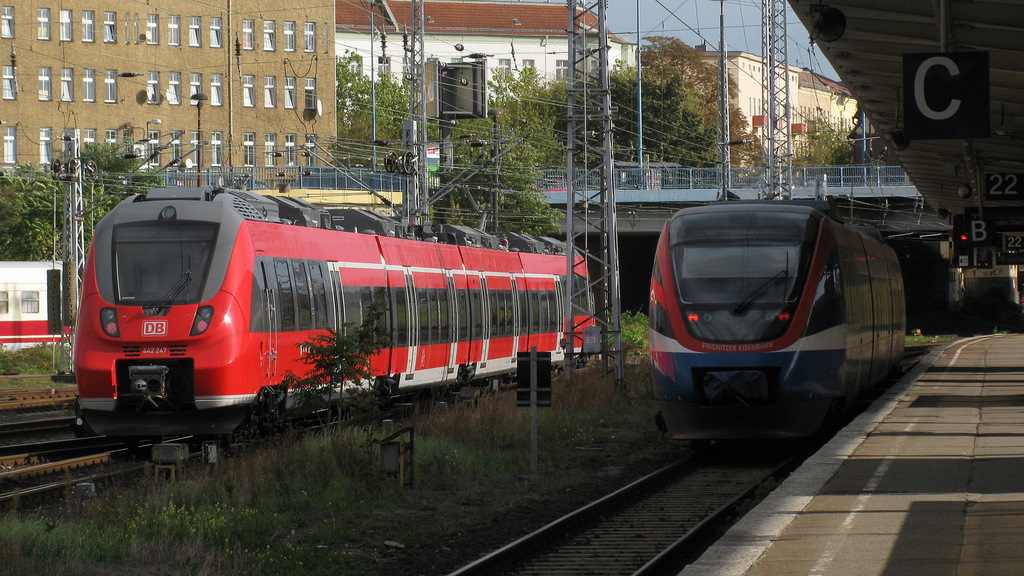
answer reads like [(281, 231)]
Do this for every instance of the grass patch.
[(322, 505), (33, 360)]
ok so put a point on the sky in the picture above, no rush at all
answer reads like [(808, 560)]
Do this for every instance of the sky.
[(697, 21)]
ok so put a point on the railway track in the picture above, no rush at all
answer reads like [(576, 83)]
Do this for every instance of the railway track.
[(37, 426), (652, 526)]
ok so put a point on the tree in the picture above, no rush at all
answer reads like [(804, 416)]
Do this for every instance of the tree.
[(522, 130), (825, 145), (680, 97), (340, 360), (356, 108), (31, 222), (30, 208)]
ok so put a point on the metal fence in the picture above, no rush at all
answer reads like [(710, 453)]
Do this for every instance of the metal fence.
[(657, 178)]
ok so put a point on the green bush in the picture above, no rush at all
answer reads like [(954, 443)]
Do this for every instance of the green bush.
[(33, 360)]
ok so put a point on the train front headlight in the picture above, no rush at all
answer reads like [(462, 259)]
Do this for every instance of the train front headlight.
[(203, 317), (108, 320)]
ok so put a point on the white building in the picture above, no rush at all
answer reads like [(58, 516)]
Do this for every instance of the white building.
[(510, 35)]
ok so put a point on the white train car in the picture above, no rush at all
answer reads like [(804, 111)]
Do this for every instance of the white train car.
[(23, 304)]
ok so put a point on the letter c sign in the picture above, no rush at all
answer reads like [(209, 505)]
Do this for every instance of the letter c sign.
[(946, 95)]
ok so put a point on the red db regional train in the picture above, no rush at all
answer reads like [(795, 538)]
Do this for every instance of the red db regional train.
[(196, 301), (24, 299), (767, 318)]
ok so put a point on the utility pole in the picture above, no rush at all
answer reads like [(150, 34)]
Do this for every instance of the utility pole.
[(776, 140), (590, 213), (723, 104), (73, 237)]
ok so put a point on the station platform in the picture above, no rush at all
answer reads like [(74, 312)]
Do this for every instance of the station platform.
[(928, 481)]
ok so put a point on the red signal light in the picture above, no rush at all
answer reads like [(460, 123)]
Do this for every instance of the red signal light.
[(693, 317), (784, 316)]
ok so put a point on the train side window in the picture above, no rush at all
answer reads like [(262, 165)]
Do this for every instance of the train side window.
[(305, 312), (319, 294), (286, 299), (257, 308), (444, 322), (423, 306), (353, 307), (497, 313), (30, 302), (4, 302), (399, 317)]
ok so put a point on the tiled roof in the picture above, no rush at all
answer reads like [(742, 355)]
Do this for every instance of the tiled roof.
[(460, 17)]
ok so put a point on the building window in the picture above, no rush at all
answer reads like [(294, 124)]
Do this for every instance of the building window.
[(6, 21), (216, 89), (269, 91), (270, 148), (66, 34), (88, 26), (89, 135), (195, 28), (153, 87), (110, 136), (249, 91), (289, 92), (10, 92), (216, 38), (528, 63), (291, 156), (175, 145), (505, 65), (310, 93), (152, 28), (195, 85), (45, 146), (110, 86), (289, 36), (174, 88), (43, 24), (88, 85), (310, 145), (249, 149), (309, 37), (153, 147), (67, 84), (269, 35), (45, 92), (10, 148), (110, 27), (561, 69), (216, 148), (248, 34), (174, 30)]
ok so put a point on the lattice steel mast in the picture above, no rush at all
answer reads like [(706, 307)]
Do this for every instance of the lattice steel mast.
[(777, 141), (590, 205)]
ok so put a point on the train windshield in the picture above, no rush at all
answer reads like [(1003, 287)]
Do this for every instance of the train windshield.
[(737, 273), (162, 264)]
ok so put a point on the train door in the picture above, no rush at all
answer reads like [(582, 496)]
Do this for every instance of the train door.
[(413, 327), (268, 335), (453, 327), (484, 321), (518, 330)]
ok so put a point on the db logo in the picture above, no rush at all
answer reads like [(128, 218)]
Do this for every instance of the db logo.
[(154, 328)]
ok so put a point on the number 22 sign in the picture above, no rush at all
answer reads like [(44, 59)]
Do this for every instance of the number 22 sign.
[(1004, 186)]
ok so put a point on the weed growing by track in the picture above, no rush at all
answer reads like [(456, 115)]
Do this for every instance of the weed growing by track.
[(322, 505)]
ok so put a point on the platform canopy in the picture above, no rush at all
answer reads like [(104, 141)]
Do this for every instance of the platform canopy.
[(943, 80)]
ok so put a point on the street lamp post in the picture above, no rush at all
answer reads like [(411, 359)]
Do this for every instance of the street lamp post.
[(199, 98)]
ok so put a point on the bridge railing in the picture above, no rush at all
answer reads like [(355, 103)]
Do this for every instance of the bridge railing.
[(654, 178)]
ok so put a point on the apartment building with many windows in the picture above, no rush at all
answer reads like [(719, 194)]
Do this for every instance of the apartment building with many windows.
[(510, 36), (253, 80)]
